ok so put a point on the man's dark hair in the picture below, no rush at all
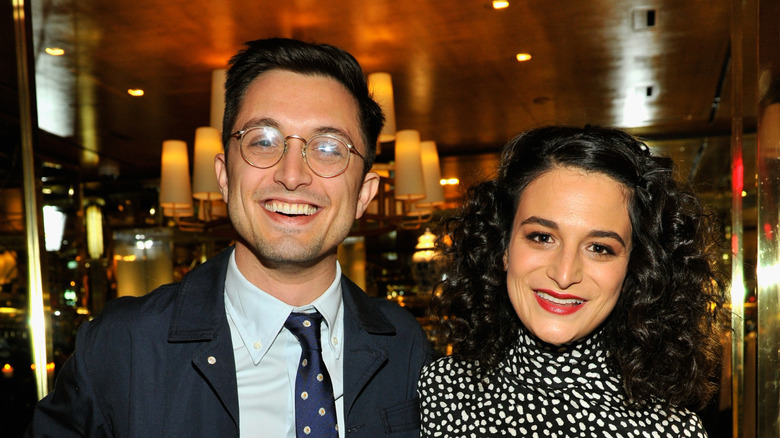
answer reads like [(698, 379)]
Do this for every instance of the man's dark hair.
[(260, 56)]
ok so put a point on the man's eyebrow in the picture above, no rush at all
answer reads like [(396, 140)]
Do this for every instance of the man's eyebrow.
[(262, 121), (334, 131), (267, 121), (553, 225)]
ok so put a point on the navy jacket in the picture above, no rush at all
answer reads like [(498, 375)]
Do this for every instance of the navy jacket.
[(162, 366)]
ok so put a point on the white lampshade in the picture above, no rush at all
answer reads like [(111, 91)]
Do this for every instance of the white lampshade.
[(434, 194), (380, 85), (217, 98), (409, 185), (54, 227), (204, 178), (175, 189)]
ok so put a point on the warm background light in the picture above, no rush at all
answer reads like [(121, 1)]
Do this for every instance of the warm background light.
[(135, 92), (55, 51), (204, 179), (94, 224), (434, 194), (175, 188), (208, 143), (217, 98), (523, 57), (500, 4), (381, 87), (409, 185)]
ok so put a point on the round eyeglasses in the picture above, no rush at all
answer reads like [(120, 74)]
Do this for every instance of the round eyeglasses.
[(326, 154)]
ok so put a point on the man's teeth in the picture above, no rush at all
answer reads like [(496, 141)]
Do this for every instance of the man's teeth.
[(562, 302), (285, 208)]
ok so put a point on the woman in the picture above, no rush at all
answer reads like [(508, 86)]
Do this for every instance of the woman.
[(581, 297)]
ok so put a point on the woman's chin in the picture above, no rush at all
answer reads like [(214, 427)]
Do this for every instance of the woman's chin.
[(555, 337)]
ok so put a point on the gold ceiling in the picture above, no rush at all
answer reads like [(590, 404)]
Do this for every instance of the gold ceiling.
[(660, 68)]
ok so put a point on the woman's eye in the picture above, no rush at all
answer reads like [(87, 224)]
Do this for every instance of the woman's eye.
[(539, 237), (602, 249)]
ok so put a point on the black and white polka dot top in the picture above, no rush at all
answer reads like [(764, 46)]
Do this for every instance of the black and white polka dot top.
[(540, 390)]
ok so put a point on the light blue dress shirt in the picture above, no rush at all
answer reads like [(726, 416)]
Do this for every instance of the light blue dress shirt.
[(267, 354)]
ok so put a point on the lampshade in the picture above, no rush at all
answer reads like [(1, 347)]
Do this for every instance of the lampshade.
[(204, 179), (434, 194), (54, 227), (381, 87), (409, 185), (217, 98), (177, 213), (175, 191)]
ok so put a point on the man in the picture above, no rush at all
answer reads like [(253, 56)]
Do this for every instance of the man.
[(216, 355)]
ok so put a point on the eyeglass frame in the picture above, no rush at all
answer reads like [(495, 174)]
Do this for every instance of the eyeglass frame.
[(239, 135)]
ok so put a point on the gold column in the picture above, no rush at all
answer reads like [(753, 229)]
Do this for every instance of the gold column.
[(768, 269), (737, 227), (36, 298)]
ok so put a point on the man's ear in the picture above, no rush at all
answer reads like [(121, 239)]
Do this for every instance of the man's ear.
[(220, 167), (367, 192)]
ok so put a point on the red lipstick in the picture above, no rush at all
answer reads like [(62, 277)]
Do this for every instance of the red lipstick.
[(557, 303)]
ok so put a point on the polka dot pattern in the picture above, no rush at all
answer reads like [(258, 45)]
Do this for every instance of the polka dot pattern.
[(315, 411), (541, 391)]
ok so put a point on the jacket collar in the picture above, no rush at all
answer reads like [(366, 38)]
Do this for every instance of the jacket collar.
[(199, 306), (357, 303)]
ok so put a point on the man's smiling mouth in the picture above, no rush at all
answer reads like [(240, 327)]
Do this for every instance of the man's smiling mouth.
[(290, 209)]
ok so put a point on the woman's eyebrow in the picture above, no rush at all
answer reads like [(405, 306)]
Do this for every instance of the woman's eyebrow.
[(553, 225)]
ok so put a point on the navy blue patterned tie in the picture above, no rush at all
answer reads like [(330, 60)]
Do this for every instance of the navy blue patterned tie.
[(315, 409)]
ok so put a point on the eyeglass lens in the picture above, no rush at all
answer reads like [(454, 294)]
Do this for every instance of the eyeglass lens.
[(264, 146)]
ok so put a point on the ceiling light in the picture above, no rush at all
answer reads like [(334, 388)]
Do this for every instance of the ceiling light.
[(55, 51), (136, 92), (523, 57), (500, 4)]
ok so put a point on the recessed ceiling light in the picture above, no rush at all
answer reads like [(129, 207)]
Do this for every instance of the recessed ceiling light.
[(136, 92), (55, 51), (523, 57), (500, 4)]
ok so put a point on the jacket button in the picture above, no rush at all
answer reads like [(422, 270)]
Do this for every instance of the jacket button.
[(212, 360)]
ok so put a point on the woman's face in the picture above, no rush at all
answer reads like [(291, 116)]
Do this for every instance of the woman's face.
[(568, 253)]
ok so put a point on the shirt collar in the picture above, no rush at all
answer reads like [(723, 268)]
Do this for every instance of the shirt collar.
[(259, 317), (329, 304)]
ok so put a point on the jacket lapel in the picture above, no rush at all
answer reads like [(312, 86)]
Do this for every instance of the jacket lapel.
[(199, 316), (362, 321)]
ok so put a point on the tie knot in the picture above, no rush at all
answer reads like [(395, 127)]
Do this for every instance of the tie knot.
[(305, 327)]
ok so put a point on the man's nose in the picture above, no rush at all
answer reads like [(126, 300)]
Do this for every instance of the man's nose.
[(292, 171)]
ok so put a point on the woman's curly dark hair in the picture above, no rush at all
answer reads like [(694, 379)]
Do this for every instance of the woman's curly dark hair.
[(663, 334)]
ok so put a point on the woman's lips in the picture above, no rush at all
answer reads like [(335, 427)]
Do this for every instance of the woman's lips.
[(559, 304)]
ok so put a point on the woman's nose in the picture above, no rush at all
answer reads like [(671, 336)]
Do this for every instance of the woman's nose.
[(566, 267)]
